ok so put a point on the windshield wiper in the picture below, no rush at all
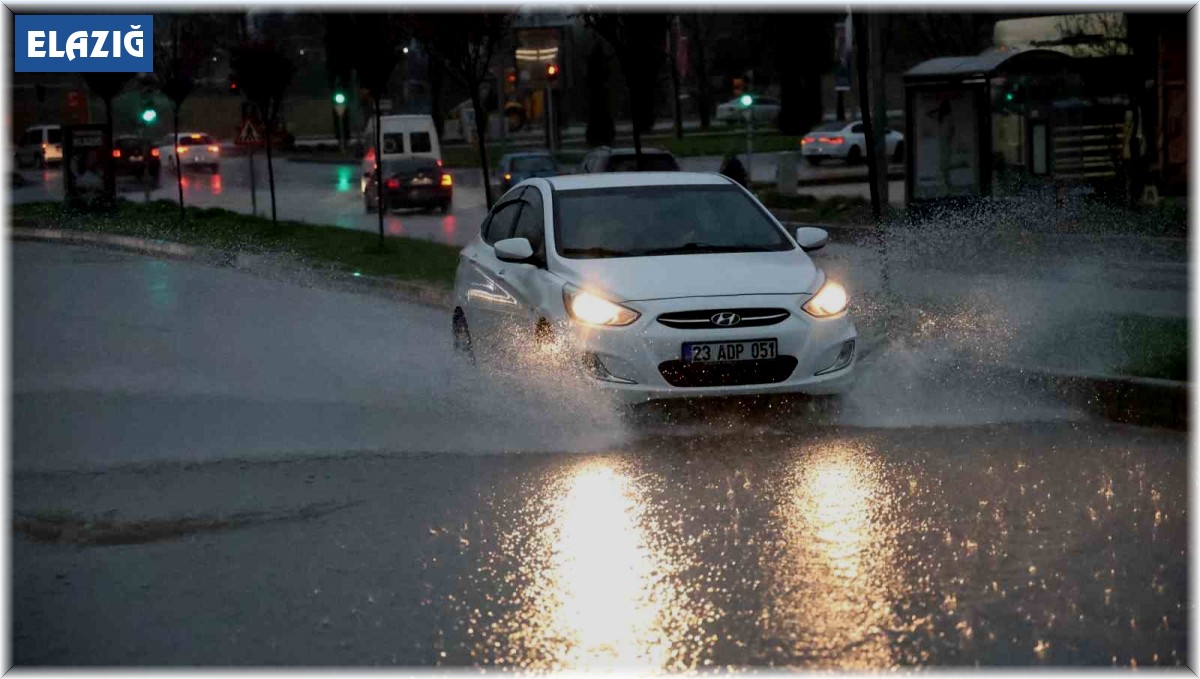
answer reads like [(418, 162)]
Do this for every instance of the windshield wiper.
[(695, 247), (594, 252)]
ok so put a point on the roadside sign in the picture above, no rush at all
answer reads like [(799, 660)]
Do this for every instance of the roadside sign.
[(250, 135)]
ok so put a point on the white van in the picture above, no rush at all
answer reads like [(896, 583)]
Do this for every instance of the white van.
[(39, 146), (403, 137)]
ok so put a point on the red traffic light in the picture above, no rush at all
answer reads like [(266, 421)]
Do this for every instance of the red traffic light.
[(552, 71)]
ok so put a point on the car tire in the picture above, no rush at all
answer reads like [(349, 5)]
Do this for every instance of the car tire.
[(368, 204), (445, 207), (898, 153), (543, 334), (854, 156), (813, 160), (39, 161), (462, 336), (215, 168)]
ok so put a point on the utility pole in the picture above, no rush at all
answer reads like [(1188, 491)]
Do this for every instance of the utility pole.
[(673, 34), (879, 119)]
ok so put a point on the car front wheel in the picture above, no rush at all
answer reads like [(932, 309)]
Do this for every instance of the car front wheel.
[(462, 336)]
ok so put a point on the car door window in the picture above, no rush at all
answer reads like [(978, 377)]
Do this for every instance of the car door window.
[(530, 223), (500, 225), (393, 143), (857, 129)]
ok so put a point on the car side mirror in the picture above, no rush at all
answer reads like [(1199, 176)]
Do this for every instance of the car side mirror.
[(516, 250), (811, 238)]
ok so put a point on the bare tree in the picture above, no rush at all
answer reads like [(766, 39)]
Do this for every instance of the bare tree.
[(466, 44), (177, 61), (700, 30), (637, 39), (263, 75)]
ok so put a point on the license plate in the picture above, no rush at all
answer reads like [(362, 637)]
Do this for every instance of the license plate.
[(723, 352), (422, 181), (135, 159)]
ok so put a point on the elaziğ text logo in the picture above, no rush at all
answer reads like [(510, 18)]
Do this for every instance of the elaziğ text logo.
[(84, 43)]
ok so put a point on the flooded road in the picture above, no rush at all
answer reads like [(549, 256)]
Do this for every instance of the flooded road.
[(1014, 544), (217, 467)]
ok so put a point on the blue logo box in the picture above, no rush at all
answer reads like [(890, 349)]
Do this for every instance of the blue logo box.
[(83, 43)]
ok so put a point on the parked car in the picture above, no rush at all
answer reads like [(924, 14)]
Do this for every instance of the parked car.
[(39, 146), (656, 285), (137, 157), (846, 141), (605, 159), (410, 182), (195, 150), (401, 137), (764, 110), (515, 168)]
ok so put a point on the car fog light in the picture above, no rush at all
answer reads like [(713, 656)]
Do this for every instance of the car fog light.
[(595, 368), (843, 359)]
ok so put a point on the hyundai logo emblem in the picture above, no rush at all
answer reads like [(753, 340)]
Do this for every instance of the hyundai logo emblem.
[(725, 319)]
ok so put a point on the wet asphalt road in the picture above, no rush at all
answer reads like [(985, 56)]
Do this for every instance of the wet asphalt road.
[(212, 467)]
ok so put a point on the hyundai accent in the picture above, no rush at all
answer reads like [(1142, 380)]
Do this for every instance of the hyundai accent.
[(654, 285)]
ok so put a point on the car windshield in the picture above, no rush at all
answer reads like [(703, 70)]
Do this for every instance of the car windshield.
[(651, 162), (662, 220), (533, 164), (195, 140)]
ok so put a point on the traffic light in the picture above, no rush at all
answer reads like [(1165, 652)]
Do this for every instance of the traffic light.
[(149, 115), (551, 72), (746, 101), (339, 98)]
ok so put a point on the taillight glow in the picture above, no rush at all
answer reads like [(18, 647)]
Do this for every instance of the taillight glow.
[(439, 162), (214, 149), (447, 180), (181, 149), (393, 183), (154, 152), (808, 140), (831, 140), (116, 153)]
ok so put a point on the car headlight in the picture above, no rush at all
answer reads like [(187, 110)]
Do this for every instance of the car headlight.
[(830, 300), (594, 310)]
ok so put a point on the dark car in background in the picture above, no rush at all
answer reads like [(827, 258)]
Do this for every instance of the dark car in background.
[(515, 168), (605, 159), (137, 158), (410, 183)]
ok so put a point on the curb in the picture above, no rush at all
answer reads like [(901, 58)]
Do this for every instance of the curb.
[(1132, 400), (409, 291)]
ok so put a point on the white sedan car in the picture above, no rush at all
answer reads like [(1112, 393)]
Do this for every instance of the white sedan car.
[(846, 141), (195, 150), (765, 110), (654, 285)]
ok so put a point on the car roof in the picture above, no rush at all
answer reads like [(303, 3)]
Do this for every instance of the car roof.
[(645, 149), (526, 154), (609, 180)]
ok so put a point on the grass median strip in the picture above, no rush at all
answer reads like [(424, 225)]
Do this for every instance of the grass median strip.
[(318, 246)]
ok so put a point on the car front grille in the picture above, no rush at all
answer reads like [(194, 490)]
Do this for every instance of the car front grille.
[(738, 373), (748, 318)]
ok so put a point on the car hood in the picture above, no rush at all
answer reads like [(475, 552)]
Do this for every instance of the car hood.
[(632, 279)]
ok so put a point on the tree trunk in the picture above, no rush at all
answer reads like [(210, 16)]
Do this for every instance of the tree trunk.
[(110, 174), (864, 88), (178, 164), (379, 202), (481, 135), (435, 96), (270, 131), (674, 34), (703, 93)]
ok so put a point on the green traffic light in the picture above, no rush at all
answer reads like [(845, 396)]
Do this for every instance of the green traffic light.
[(339, 98), (747, 100), (1008, 96), (149, 115)]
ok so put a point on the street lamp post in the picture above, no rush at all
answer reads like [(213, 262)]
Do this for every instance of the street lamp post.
[(747, 101), (339, 106)]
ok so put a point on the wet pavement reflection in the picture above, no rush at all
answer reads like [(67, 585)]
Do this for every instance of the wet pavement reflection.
[(852, 549)]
